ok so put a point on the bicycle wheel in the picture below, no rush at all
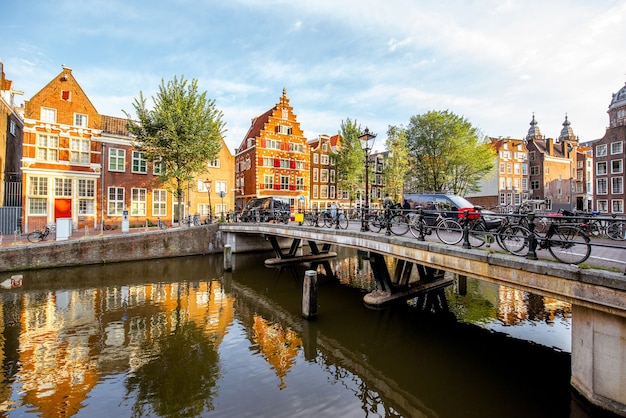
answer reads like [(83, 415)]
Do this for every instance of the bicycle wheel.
[(375, 223), (514, 239), (415, 224), (477, 235), (449, 231), (342, 220), (34, 236), (569, 244), (616, 230), (328, 220), (399, 224), (541, 225)]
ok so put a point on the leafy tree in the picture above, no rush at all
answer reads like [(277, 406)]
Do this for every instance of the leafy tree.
[(446, 153), (350, 159), (397, 164), (182, 132)]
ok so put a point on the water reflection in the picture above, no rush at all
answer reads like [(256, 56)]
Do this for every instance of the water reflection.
[(180, 338)]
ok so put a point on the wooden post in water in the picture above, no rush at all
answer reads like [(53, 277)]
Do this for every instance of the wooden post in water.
[(228, 258), (309, 295)]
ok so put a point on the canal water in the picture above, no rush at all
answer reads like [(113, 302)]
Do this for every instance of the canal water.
[(180, 337)]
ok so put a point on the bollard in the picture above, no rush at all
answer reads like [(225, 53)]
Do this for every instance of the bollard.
[(228, 258), (309, 295)]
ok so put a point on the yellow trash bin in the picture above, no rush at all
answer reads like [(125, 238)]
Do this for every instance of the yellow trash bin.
[(299, 217)]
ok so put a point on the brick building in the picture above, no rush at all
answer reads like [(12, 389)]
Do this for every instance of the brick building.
[(552, 166), (11, 135), (273, 158), (323, 172), (60, 155), (610, 157)]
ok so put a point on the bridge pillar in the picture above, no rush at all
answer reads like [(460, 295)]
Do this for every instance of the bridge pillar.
[(599, 358)]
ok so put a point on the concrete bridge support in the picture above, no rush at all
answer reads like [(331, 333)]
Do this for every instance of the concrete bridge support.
[(599, 358)]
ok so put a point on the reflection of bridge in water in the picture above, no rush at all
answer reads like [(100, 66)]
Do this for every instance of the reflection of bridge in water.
[(598, 297)]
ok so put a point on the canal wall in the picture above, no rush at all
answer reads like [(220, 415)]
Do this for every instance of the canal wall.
[(112, 248)]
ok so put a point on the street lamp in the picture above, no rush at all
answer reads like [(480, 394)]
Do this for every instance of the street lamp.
[(208, 189), (365, 139)]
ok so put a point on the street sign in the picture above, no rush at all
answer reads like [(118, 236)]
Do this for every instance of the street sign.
[(302, 198), (222, 193)]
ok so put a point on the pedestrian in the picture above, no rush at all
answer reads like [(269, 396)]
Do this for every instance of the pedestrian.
[(387, 202)]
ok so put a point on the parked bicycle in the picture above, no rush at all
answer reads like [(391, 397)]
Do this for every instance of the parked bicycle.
[(391, 220), (161, 224), (339, 220), (566, 242), (37, 235)]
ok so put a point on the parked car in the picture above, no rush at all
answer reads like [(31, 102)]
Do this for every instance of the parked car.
[(452, 205), (266, 209)]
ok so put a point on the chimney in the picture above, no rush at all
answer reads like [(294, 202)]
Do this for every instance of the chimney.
[(550, 146)]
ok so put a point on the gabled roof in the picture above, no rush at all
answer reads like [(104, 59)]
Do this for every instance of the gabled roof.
[(255, 129), (114, 125)]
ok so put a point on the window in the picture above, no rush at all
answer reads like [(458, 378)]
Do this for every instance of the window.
[(159, 202), (299, 183), (534, 185), (282, 129), (324, 159), (323, 192), (325, 147), (140, 164), (617, 206), (38, 186), (272, 144), (47, 148), (221, 186), (296, 147), (86, 194), (601, 150), (268, 181), (284, 182), (300, 165), (601, 167), (138, 202), (37, 206), (315, 191), (617, 185), (315, 174), (116, 201), (117, 159), (324, 176), (616, 167), (79, 151), (332, 192), (617, 148), (316, 158), (602, 205), (214, 163), (534, 170), (203, 209), (158, 166), (48, 114), (63, 187), (80, 120), (332, 176), (13, 128), (602, 186)]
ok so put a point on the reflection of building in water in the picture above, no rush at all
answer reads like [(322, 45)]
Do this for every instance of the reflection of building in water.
[(516, 305), (69, 340), (278, 346)]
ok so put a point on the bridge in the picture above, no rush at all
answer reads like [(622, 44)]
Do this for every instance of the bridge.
[(597, 296)]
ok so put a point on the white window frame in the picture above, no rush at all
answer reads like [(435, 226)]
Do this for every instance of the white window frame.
[(80, 119), (138, 201), (48, 114), (117, 160), (115, 206), (617, 147), (86, 196), (139, 163), (62, 187), (159, 202), (47, 148), (601, 150), (80, 151)]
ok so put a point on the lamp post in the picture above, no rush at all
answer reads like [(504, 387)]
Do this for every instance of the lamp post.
[(365, 139), (208, 190)]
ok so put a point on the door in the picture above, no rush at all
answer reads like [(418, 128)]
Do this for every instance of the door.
[(62, 208)]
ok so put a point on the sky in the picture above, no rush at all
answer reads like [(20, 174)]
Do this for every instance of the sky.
[(379, 62)]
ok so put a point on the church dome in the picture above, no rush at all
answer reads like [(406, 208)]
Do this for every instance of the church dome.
[(619, 99)]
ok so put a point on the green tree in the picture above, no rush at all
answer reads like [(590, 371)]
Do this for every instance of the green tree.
[(182, 132), (350, 159), (446, 153), (397, 164)]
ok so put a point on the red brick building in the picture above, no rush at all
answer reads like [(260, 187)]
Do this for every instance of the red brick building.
[(60, 155), (273, 158)]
